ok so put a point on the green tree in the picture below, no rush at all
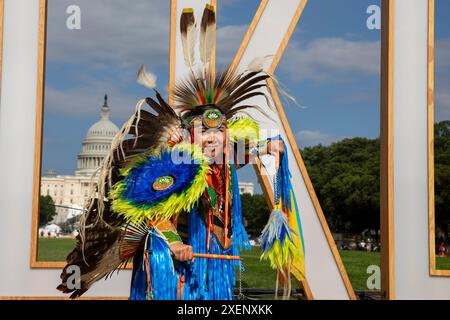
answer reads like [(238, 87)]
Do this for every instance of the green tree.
[(442, 176), (46, 209), (345, 176), (256, 212)]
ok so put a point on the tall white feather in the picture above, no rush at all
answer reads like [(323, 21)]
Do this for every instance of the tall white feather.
[(207, 34), (188, 37)]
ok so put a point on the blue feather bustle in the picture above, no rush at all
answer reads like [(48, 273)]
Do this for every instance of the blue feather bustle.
[(204, 279), (139, 182)]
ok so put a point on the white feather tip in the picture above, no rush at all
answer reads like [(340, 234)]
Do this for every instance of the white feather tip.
[(146, 79), (257, 64)]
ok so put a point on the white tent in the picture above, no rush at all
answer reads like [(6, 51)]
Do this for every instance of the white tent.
[(50, 230)]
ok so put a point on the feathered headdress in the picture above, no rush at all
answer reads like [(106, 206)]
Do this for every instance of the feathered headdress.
[(201, 91)]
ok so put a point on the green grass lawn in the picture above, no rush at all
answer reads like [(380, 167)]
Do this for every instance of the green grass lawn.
[(356, 263), (443, 263), (258, 274), (54, 249)]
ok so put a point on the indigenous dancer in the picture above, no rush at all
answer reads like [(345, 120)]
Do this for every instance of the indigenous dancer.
[(167, 197)]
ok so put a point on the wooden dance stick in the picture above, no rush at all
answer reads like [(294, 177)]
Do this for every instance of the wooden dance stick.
[(216, 256)]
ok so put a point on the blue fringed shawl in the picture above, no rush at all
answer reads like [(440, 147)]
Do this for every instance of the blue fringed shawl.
[(164, 278), (205, 279)]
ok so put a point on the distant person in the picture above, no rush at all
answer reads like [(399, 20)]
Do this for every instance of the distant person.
[(442, 250)]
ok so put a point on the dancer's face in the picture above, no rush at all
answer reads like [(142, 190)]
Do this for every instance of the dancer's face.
[(212, 141)]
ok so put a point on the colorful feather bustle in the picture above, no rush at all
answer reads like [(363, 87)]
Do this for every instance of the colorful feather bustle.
[(282, 239), (229, 92), (135, 197)]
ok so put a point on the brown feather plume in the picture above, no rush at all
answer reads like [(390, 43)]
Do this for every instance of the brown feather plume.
[(229, 90), (101, 253), (207, 28), (188, 36)]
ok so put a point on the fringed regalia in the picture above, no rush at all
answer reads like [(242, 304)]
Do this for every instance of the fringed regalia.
[(157, 187)]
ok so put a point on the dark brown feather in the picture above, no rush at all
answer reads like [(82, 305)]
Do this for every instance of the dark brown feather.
[(188, 35), (101, 245), (231, 88), (207, 26)]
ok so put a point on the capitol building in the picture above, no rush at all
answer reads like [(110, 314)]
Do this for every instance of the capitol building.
[(97, 143), (69, 192)]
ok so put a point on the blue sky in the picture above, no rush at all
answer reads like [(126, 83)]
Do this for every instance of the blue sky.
[(331, 66)]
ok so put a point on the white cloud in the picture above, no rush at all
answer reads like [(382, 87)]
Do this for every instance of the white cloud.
[(442, 106), (116, 33), (112, 32), (86, 100), (442, 48), (307, 138), (442, 80), (104, 55), (229, 39), (331, 59)]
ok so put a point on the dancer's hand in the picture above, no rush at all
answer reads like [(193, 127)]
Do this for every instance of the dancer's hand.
[(276, 149), (181, 251), (175, 135)]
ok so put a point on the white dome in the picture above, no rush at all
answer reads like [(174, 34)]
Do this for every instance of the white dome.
[(102, 129), (97, 143)]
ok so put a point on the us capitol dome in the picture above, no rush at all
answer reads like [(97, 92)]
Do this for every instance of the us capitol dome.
[(70, 192), (97, 143)]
